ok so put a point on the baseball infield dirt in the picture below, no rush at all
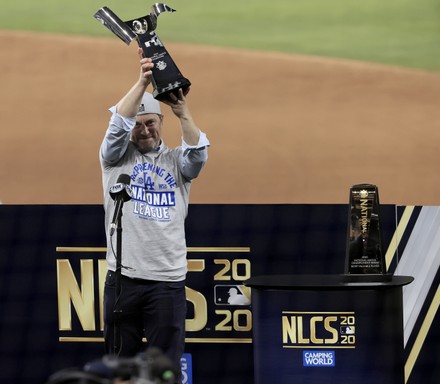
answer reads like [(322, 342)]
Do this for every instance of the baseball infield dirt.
[(283, 128)]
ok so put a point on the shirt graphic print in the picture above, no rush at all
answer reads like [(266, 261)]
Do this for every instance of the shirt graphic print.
[(153, 192)]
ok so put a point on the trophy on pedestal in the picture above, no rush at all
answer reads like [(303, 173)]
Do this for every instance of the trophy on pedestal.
[(364, 254), (166, 76)]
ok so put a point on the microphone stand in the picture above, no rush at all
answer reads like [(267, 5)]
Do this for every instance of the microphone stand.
[(120, 192), (117, 310)]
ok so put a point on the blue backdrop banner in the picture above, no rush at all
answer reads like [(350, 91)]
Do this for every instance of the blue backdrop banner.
[(52, 270)]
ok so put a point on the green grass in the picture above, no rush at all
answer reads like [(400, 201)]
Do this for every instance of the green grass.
[(396, 32)]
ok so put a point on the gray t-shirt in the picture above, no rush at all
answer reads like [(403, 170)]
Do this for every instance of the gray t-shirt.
[(153, 232)]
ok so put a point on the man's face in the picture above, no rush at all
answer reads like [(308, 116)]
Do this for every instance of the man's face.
[(146, 133)]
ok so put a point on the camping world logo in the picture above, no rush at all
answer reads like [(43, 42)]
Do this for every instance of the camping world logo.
[(324, 358), (323, 330)]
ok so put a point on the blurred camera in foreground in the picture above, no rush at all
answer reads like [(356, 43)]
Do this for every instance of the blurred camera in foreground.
[(150, 367)]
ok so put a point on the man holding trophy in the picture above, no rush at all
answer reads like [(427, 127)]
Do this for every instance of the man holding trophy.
[(151, 300)]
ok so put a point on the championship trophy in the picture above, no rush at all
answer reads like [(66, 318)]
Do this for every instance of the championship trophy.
[(166, 76), (364, 254)]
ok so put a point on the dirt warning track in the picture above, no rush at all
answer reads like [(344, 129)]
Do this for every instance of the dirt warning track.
[(283, 128)]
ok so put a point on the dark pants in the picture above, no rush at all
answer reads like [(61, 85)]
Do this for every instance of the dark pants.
[(152, 309)]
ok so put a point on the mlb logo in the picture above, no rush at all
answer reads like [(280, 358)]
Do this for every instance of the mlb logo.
[(347, 330), (232, 295)]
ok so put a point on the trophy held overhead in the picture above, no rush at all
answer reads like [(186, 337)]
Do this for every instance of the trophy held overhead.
[(167, 77)]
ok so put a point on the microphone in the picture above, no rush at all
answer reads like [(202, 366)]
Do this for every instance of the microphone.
[(120, 192)]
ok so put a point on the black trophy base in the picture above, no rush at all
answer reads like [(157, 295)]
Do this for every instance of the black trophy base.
[(162, 92), (367, 278)]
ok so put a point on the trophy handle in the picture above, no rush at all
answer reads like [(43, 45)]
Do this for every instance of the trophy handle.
[(108, 18)]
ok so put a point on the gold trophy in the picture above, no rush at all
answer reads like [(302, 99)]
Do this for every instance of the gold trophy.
[(364, 253)]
